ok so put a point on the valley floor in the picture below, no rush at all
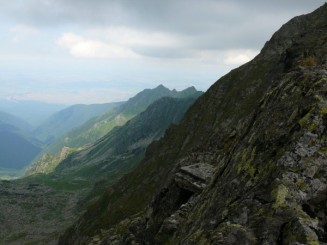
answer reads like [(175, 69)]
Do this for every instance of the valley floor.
[(31, 211)]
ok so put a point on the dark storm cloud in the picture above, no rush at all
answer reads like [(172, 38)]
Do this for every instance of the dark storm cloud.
[(205, 24), (186, 15)]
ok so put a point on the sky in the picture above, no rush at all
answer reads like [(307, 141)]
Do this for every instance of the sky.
[(96, 51)]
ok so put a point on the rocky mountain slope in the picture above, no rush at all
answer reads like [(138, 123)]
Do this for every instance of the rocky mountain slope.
[(134, 135), (32, 212), (123, 148), (247, 165)]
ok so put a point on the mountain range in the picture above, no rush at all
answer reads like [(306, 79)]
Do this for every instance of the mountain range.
[(75, 179), (68, 129), (97, 127), (127, 141)]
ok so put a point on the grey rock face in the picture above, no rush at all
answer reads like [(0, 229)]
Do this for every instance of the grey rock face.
[(194, 177)]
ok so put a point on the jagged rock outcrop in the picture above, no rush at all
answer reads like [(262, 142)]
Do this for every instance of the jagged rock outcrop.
[(194, 177), (263, 129)]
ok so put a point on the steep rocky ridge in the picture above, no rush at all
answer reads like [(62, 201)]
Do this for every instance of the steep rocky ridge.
[(122, 149), (47, 162), (136, 134), (262, 129), (98, 127)]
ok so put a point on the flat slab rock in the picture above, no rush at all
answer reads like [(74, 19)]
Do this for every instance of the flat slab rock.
[(194, 177), (202, 171)]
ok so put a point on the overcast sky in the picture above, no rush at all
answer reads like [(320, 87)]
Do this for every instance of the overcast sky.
[(95, 51)]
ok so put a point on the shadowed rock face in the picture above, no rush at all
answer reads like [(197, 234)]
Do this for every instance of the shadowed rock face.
[(194, 177), (262, 130)]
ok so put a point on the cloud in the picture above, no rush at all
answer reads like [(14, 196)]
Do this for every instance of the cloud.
[(68, 40), (236, 24), (120, 43), (148, 13), (80, 47), (133, 37), (130, 43), (239, 57)]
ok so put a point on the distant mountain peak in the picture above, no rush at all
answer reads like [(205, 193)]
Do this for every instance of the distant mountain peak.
[(190, 89), (161, 86)]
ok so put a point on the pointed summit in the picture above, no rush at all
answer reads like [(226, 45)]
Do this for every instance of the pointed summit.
[(160, 86)]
